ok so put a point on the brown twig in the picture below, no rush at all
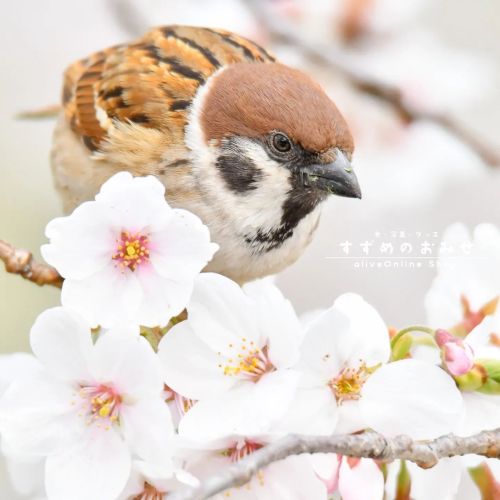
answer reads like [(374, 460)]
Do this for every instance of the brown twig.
[(367, 444), (392, 96), (20, 261)]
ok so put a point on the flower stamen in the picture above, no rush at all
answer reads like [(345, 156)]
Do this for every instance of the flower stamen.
[(348, 384), (250, 363), (132, 250), (100, 403)]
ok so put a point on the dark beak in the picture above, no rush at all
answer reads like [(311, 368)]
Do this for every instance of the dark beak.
[(337, 177)]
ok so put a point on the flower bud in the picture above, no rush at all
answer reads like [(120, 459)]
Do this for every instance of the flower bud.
[(457, 355)]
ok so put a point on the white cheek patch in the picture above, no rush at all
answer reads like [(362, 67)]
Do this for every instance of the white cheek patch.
[(258, 207)]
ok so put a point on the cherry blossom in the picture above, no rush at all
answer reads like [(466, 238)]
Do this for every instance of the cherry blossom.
[(293, 478), (128, 255), (90, 410), (348, 385), (234, 352)]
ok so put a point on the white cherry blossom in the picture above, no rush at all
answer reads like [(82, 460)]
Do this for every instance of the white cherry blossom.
[(233, 355), (128, 255), (90, 410), (348, 383)]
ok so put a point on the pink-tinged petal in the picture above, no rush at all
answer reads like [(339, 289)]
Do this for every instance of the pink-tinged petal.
[(82, 243), (147, 428), (181, 248), (38, 416), (278, 322), (411, 397), (222, 315), (361, 480), (97, 466), (105, 298), (190, 367), (61, 340), (129, 363), (327, 468), (368, 337), (320, 347), (162, 298)]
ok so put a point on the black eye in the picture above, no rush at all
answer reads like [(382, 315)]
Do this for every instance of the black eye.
[(281, 143)]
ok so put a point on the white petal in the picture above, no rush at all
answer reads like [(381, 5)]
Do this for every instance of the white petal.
[(321, 345), (96, 467), (17, 366), (411, 397), (312, 411), (147, 428), (80, 244), (129, 363), (134, 204), (369, 337), (292, 479), (278, 322), (482, 412), (248, 409), (37, 416), (440, 481), (162, 298), (104, 298), (190, 367), (181, 248), (61, 340), (363, 481), (350, 418), (222, 315)]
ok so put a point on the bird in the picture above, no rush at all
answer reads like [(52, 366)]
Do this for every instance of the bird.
[(251, 146)]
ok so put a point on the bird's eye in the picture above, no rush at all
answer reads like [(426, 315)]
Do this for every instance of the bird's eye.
[(281, 143)]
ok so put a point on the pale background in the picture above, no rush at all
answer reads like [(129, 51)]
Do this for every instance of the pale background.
[(417, 180), (418, 184)]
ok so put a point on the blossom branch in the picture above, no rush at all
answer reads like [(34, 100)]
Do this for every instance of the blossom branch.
[(20, 261), (392, 96), (367, 445)]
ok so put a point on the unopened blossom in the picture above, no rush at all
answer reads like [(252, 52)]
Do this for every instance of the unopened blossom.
[(348, 383), (128, 255), (233, 355), (458, 355), (90, 410)]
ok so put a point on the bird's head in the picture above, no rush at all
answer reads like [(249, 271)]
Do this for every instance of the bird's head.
[(268, 120)]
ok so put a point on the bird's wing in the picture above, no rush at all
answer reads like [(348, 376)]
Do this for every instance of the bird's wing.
[(147, 85)]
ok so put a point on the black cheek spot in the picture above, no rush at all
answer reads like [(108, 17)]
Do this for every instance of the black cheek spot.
[(239, 172)]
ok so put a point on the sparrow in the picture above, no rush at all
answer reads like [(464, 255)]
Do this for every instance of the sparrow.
[(251, 146)]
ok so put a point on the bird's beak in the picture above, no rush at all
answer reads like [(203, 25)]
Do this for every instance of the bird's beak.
[(336, 177)]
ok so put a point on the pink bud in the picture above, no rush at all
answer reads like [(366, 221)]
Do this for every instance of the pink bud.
[(457, 355)]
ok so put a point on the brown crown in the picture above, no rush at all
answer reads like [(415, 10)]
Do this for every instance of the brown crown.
[(253, 99)]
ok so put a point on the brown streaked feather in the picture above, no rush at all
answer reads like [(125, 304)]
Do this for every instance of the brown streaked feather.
[(149, 83)]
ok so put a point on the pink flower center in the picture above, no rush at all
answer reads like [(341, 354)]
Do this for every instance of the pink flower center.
[(182, 404), (348, 383), (241, 449), (132, 250), (150, 493), (249, 362), (100, 403)]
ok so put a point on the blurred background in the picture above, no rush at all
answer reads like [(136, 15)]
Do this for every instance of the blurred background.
[(416, 177)]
